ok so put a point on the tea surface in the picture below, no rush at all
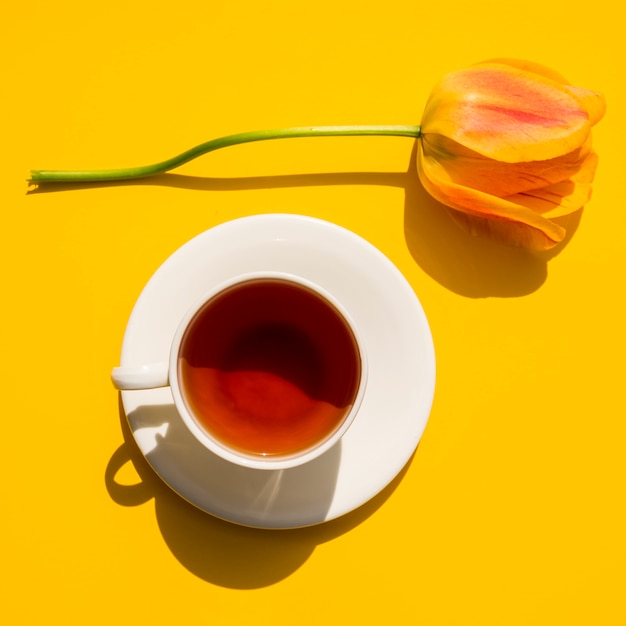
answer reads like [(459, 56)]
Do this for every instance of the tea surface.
[(269, 368)]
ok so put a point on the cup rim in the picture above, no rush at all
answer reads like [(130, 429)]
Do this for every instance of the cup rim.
[(273, 462)]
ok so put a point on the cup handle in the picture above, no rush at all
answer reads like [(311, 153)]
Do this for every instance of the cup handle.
[(151, 376)]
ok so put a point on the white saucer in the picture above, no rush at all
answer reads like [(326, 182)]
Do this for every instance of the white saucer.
[(395, 408)]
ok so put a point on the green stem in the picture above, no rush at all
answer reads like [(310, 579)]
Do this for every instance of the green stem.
[(57, 176)]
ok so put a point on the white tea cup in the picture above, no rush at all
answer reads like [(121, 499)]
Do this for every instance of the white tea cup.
[(267, 370)]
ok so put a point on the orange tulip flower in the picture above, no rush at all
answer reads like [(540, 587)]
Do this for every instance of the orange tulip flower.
[(506, 144)]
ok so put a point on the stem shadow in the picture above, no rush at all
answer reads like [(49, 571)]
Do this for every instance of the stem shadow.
[(244, 183)]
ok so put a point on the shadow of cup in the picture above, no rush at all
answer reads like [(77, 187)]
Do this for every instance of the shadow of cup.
[(217, 551)]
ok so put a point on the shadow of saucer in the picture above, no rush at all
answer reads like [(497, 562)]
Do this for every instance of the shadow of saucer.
[(475, 267), (221, 552)]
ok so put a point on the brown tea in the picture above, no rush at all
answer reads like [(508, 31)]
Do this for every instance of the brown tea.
[(269, 367)]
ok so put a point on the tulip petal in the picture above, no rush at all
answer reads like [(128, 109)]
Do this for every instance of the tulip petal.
[(562, 198), (555, 201), (509, 233), (482, 213), (470, 169), (528, 66), (591, 101), (506, 114)]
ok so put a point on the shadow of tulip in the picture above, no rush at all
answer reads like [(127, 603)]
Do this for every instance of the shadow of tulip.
[(475, 267), (216, 551)]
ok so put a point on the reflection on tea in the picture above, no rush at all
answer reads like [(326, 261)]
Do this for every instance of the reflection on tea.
[(269, 367)]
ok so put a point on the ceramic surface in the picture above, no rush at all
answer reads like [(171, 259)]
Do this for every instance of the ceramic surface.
[(394, 410)]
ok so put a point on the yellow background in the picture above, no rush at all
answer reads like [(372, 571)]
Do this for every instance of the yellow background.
[(512, 510)]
